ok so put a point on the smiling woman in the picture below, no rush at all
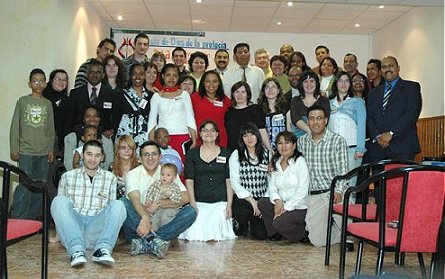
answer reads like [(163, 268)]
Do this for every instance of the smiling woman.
[(133, 106)]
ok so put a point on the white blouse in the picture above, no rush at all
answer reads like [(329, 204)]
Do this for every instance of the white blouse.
[(291, 185), (176, 115)]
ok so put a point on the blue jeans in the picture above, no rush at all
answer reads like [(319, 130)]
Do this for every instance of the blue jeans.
[(79, 232), (27, 204), (182, 221)]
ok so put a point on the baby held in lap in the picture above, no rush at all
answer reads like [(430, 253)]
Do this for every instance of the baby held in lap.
[(165, 188)]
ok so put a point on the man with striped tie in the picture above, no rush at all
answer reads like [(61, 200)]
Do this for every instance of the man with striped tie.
[(392, 112)]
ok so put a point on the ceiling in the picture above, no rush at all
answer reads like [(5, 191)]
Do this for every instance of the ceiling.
[(305, 16)]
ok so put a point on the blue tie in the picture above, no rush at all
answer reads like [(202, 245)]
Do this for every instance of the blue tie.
[(386, 96)]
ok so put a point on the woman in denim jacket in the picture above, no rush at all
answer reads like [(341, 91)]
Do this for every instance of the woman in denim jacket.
[(348, 119)]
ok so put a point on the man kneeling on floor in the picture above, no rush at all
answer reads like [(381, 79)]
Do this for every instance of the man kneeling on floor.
[(85, 210), (137, 227)]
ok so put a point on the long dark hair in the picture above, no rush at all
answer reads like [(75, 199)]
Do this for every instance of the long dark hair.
[(335, 86), (287, 136), (280, 103), (121, 78), (219, 92), (246, 128)]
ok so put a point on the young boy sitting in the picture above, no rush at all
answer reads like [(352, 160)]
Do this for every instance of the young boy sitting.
[(32, 138), (89, 133)]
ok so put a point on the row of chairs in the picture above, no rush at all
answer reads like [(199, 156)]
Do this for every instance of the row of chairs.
[(410, 194), (406, 217)]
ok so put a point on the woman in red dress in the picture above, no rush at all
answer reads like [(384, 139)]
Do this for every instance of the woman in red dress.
[(210, 103)]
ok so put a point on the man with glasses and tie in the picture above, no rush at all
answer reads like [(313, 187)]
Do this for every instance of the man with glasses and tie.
[(137, 226), (92, 93), (392, 112)]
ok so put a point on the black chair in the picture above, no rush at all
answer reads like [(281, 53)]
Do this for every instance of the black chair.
[(16, 230), (358, 212)]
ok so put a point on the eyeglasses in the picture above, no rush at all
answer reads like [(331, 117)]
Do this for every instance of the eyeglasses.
[(37, 82), (343, 81), (152, 154), (359, 81), (60, 80), (124, 147)]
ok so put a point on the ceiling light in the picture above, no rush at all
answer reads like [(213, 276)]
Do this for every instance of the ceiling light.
[(357, 25), (119, 17), (381, 6), (279, 23), (198, 1), (290, 3), (198, 21)]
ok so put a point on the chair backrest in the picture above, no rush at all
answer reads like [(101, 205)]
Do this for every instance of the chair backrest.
[(394, 187), (423, 210)]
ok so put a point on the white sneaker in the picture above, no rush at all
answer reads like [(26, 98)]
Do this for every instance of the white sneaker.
[(78, 258), (103, 256)]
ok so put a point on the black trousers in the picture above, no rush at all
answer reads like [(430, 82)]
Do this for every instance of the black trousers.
[(243, 213)]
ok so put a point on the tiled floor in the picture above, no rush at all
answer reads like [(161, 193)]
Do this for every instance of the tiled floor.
[(242, 258)]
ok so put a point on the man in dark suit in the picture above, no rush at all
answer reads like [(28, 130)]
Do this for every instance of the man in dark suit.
[(392, 112), (92, 93)]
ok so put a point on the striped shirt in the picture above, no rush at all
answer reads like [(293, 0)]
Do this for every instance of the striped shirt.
[(325, 159), (89, 197)]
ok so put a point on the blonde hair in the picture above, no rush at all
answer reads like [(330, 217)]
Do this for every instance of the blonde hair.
[(117, 166), (170, 166)]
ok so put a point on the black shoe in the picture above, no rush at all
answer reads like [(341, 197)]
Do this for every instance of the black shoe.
[(103, 256), (305, 238), (237, 228), (349, 245), (276, 237)]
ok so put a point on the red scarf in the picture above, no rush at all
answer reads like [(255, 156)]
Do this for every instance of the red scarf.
[(170, 89)]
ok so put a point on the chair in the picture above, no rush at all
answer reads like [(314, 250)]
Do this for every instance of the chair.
[(358, 212), (420, 213), (15, 230)]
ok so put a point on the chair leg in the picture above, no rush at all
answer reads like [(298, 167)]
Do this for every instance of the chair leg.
[(358, 262), (432, 266), (4, 265), (380, 259), (328, 239), (401, 260), (422, 265), (341, 274)]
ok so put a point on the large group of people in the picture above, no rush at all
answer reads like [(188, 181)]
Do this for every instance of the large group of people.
[(170, 150)]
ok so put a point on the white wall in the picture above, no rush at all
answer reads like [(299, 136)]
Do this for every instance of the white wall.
[(47, 34), (417, 41)]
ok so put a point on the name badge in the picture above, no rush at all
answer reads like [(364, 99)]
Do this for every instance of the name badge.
[(217, 103), (263, 167), (178, 98), (143, 103), (278, 117), (221, 159), (108, 105)]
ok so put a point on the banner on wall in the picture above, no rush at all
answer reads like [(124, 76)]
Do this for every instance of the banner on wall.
[(166, 41)]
